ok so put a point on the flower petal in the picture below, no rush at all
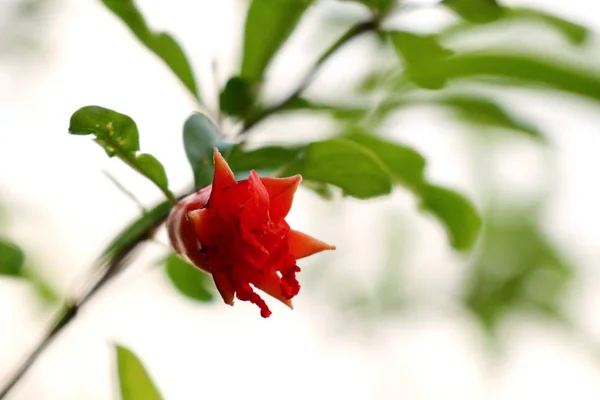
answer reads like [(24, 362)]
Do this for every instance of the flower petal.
[(281, 193), (244, 292), (223, 176), (224, 287), (302, 245), (270, 283)]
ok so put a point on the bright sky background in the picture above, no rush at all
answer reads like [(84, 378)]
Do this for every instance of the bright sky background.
[(64, 210)]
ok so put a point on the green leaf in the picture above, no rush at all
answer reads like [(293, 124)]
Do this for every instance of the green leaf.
[(519, 69), (118, 135), (487, 113), (461, 219), (153, 169), (237, 98), (12, 259), (478, 11), (404, 163), (189, 280), (200, 136), (134, 381), (139, 229), (345, 164), (160, 43), (269, 23), (421, 55)]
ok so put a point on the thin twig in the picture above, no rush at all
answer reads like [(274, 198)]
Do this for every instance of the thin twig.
[(125, 191)]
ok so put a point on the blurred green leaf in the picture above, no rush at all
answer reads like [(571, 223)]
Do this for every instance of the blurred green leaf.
[(522, 69), (459, 215), (269, 158), (485, 112), (404, 163), (237, 98), (380, 6), (12, 263), (160, 43), (118, 135), (138, 229), (12, 259), (134, 381), (574, 32), (269, 23), (189, 280), (478, 11), (345, 164), (422, 55), (43, 288), (200, 136), (517, 268)]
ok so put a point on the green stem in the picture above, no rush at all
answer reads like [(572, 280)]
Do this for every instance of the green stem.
[(352, 33)]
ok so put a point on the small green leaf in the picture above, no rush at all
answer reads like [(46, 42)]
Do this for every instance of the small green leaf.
[(237, 98), (153, 170), (134, 381), (139, 229), (160, 43), (461, 219), (118, 135), (269, 23), (12, 259), (189, 280), (422, 55), (478, 11), (345, 164), (487, 113), (200, 136), (519, 69), (404, 163)]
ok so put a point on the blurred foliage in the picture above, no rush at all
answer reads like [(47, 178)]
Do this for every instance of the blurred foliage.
[(162, 44), (12, 259), (134, 381), (189, 280), (517, 268), (268, 25), (22, 26), (13, 263)]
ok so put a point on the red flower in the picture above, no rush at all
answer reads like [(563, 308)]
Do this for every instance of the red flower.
[(237, 232)]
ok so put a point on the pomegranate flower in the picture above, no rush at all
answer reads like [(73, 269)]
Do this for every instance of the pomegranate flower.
[(236, 231)]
